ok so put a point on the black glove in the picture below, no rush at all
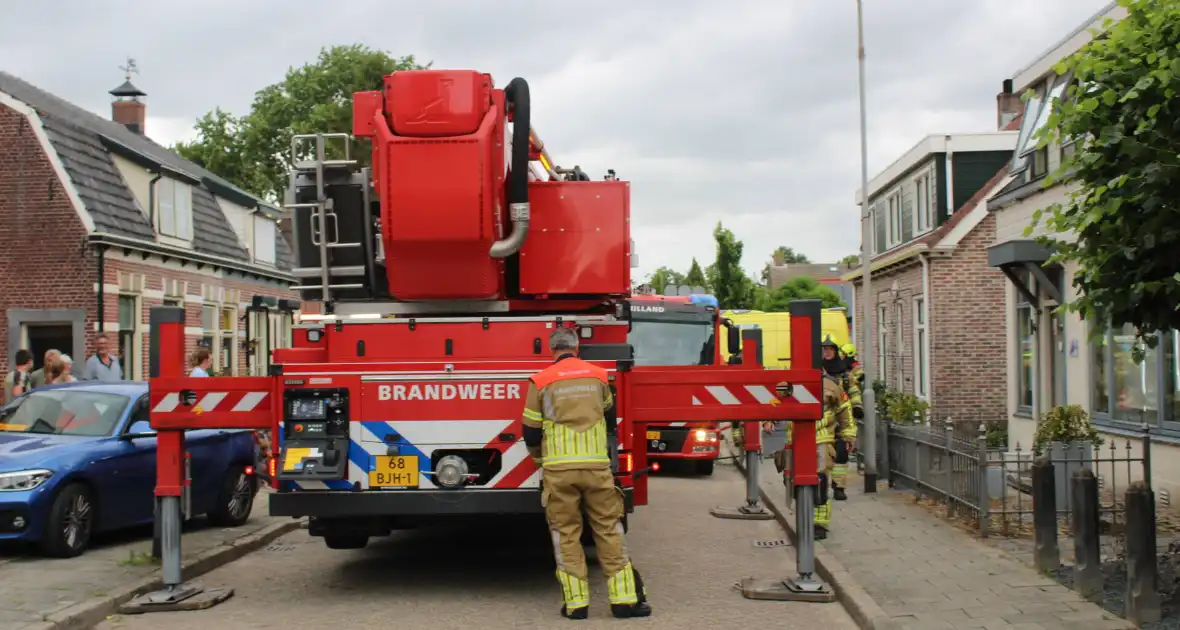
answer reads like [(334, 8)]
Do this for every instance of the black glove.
[(858, 413)]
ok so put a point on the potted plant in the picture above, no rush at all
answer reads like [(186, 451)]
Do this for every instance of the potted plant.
[(1069, 437)]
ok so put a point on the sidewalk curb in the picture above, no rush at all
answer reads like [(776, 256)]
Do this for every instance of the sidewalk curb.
[(88, 613), (866, 612)]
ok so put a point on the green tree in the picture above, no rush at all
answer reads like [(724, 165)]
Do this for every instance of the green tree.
[(664, 276), (782, 255), (851, 259), (695, 277), (1121, 224), (729, 282), (777, 300), (254, 150)]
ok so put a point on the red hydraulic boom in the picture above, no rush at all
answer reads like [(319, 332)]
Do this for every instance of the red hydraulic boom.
[(441, 269)]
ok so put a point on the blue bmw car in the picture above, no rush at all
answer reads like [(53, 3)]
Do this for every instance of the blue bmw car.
[(80, 458)]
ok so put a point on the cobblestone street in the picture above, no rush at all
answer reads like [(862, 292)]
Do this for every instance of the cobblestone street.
[(925, 573), (35, 588), (503, 577)]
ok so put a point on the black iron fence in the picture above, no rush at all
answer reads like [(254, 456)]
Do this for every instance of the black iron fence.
[(979, 480)]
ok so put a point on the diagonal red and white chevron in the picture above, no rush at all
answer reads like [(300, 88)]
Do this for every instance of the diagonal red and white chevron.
[(215, 401), (744, 395)]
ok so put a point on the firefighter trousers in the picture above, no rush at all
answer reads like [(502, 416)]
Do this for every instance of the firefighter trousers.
[(840, 468), (565, 494), (825, 464)]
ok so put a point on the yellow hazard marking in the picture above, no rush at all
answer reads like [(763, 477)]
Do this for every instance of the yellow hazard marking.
[(197, 410), (295, 457), (774, 402), (13, 427)]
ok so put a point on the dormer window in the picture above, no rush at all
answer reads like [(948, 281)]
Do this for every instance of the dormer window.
[(264, 239), (174, 209)]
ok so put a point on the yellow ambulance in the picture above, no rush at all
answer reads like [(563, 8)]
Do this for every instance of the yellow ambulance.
[(776, 332)]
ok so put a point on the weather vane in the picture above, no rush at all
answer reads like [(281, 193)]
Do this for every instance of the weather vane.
[(129, 68)]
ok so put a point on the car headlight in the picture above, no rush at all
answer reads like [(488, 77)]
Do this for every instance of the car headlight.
[(23, 479)]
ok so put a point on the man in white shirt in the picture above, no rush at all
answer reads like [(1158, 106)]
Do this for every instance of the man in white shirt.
[(103, 366)]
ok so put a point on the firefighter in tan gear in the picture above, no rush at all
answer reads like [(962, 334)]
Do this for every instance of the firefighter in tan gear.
[(839, 368), (834, 426), (565, 430)]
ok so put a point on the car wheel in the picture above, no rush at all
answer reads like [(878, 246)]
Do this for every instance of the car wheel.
[(346, 541), (236, 499), (705, 467), (71, 520)]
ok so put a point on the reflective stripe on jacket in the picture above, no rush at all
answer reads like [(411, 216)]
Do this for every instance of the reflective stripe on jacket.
[(568, 401)]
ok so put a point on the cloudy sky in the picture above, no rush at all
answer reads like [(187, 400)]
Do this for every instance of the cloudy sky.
[(743, 111)]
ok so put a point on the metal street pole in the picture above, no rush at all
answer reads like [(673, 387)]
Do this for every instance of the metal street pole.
[(869, 356)]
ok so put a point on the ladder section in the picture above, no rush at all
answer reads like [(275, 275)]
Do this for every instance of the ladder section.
[(333, 220)]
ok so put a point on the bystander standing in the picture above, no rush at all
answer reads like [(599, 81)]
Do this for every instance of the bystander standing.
[(37, 378), (18, 381), (200, 362), (103, 366)]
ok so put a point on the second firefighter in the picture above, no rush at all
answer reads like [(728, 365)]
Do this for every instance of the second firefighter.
[(835, 425)]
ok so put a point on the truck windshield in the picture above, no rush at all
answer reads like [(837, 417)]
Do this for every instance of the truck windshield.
[(672, 343)]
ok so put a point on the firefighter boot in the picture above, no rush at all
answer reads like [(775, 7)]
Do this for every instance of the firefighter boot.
[(821, 532), (582, 612), (838, 494), (640, 608)]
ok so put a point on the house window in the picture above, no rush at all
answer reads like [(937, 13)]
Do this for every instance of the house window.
[(226, 353), (174, 209), (924, 195), (209, 328), (1025, 321), (1171, 360), (907, 214), (264, 239), (174, 301), (899, 348), (921, 349), (879, 227), (129, 356), (882, 341), (1036, 116), (894, 218)]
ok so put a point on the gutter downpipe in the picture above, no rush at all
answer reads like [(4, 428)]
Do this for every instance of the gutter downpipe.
[(102, 249), (152, 198), (928, 350), (950, 177)]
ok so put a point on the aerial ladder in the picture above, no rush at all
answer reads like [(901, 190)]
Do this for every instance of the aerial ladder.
[(441, 268)]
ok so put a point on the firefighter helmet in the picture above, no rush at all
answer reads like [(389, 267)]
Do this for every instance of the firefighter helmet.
[(849, 350), (828, 342)]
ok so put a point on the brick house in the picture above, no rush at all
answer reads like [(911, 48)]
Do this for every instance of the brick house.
[(100, 224), (938, 305)]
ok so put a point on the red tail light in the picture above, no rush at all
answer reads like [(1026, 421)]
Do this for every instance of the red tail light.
[(270, 467), (655, 467), (626, 465), (249, 471)]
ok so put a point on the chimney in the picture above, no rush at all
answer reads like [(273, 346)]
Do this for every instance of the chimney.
[(128, 109), (285, 230), (779, 259), (1008, 105)]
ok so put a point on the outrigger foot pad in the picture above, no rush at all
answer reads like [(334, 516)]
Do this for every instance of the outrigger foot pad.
[(754, 512), (790, 590), (183, 597)]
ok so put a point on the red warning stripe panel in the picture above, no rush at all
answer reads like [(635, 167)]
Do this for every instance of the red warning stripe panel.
[(722, 394), (213, 403)]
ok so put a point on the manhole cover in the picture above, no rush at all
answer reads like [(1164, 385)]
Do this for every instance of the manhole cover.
[(770, 543), (278, 548)]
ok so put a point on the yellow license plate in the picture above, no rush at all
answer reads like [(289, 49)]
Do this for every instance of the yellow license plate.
[(394, 471), (653, 435)]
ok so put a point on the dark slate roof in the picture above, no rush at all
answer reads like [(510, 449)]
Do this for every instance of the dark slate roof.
[(126, 90), (83, 141)]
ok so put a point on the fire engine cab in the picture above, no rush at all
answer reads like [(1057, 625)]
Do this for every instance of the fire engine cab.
[(442, 268)]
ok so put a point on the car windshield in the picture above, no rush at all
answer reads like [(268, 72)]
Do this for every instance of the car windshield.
[(64, 412), (672, 343)]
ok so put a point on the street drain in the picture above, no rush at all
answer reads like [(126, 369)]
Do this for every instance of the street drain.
[(278, 548), (766, 544)]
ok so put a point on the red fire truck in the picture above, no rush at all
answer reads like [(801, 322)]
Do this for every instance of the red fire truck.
[(442, 269), (681, 330)]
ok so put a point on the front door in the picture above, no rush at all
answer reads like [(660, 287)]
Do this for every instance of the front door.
[(44, 337)]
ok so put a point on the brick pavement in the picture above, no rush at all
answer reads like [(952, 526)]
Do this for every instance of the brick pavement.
[(925, 573), (32, 588)]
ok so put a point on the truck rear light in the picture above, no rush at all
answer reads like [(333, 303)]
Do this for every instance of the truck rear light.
[(271, 467), (626, 465), (249, 471), (655, 467)]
